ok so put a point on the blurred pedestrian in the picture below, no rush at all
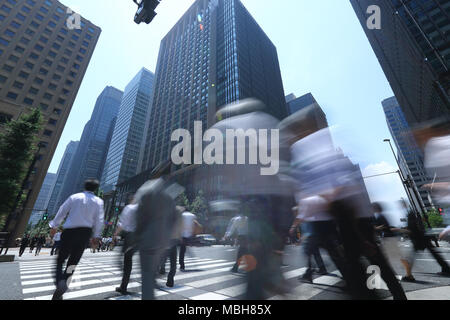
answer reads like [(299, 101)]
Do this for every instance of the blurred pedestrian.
[(191, 228), (238, 228), (56, 242), (126, 228), (40, 243), (83, 214), (33, 243), (23, 244)]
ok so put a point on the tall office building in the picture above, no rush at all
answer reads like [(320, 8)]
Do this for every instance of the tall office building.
[(412, 45), (125, 151), (61, 175), (90, 157), (410, 156), (295, 104), (43, 198), (216, 54), (44, 54)]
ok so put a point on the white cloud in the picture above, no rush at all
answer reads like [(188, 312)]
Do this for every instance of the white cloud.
[(387, 189)]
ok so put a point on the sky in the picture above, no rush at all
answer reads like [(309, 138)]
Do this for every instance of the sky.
[(322, 49)]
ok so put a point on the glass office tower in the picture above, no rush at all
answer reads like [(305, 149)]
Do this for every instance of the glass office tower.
[(216, 54), (125, 151)]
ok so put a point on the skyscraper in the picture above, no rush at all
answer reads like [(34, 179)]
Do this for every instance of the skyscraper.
[(410, 156), (44, 55), (412, 45), (43, 198), (295, 104), (61, 175), (124, 154), (90, 157), (216, 54)]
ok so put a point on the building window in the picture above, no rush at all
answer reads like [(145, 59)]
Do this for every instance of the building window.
[(33, 91), (28, 101), (52, 121), (18, 85), (3, 41), (24, 75), (48, 133), (8, 68), (11, 95)]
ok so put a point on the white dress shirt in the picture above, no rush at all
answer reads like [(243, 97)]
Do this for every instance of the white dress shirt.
[(127, 221), (188, 224), (83, 210), (238, 225), (57, 236), (313, 209)]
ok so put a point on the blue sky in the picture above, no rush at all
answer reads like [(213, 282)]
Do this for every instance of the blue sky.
[(322, 49)]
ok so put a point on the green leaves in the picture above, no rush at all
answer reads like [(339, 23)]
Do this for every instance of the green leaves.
[(17, 146)]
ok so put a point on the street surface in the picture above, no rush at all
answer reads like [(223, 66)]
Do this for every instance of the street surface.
[(207, 277)]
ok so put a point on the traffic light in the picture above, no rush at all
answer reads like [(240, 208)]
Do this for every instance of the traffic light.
[(146, 11), (45, 216), (116, 209), (441, 211)]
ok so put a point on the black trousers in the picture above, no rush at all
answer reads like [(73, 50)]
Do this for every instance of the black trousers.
[(170, 253), (22, 250), (184, 242), (358, 239), (128, 251), (73, 243), (243, 250), (55, 248)]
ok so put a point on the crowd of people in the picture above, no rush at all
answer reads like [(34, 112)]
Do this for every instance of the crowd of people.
[(318, 193)]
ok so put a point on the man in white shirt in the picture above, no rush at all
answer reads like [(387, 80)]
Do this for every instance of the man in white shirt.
[(84, 216), (238, 227), (190, 224), (127, 227), (56, 242)]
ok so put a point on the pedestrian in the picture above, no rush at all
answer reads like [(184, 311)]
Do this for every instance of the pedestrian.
[(33, 243), (56, 242), (40, 243), (156, 217), (238, 227), (83, 213), (171, 252), (191, 227), (126, 229), (24, 244)]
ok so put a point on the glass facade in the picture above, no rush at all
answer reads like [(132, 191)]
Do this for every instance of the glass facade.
[(43, 198), (216, 54), (61, 176), (410, 156), (124, 154), (94, 144)]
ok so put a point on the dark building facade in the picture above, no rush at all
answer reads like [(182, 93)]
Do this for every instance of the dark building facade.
[(413, 48), (90, 157), (61, 176), (295, 104), (410, 156), (216, 54)]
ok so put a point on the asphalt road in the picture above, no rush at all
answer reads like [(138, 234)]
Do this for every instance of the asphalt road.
[(207, 277)]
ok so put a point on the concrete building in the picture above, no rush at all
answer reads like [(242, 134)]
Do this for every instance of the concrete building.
[(44, 55)]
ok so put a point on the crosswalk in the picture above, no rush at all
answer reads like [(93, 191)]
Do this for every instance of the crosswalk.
[(204, 279)]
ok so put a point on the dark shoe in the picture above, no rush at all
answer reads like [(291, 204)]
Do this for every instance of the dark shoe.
[(234, 270), (306, 277), (182, 268), (122, 291), (61, 288), (444, 273), (169, 283), (322, 272), (408, 279)]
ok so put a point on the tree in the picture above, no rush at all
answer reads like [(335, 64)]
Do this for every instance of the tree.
[(17, 146), (435, 219), (182, 200), (199, 206)]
